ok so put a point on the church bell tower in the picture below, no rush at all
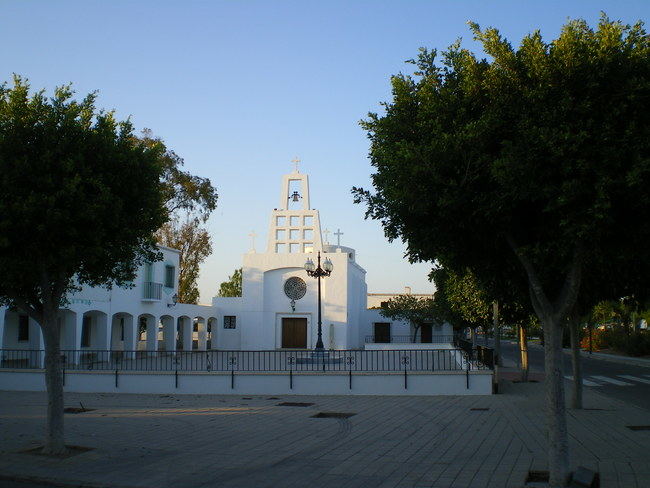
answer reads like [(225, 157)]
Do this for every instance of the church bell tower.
[(295, 226)]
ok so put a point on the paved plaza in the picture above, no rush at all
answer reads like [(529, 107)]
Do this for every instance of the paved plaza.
[(181, 441)]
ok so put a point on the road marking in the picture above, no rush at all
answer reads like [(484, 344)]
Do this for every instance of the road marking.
[(584, 382), (612, 381), (634, 378)]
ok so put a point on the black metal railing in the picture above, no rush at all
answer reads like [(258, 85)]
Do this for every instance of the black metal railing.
[(250, 361), (482, 354), (408, 339), (151, 290)]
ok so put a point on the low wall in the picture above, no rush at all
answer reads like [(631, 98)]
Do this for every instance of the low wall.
[(303, 383), (407, 346)]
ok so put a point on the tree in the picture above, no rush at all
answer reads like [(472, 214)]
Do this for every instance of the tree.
[(417, 311), (195, 246), (232, 287), (532, 161), (80, 200)]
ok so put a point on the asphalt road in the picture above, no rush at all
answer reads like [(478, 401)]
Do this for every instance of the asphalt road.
[(623, 382)]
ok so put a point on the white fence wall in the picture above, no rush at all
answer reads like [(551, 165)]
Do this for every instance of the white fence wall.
[(303, 383)]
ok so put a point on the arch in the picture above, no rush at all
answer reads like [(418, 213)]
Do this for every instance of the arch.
[(199, 333), (122, 336), (184, 333), (147, 333), (166, 333), (211, 333), (21, 339)]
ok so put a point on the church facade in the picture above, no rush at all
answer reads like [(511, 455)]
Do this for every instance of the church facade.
[(278, 308)]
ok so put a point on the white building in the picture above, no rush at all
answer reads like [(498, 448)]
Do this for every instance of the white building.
[(278, 308)]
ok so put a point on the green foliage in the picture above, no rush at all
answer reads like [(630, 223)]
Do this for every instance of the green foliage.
[(615, 338), (542, 150), (416, 310), (232, 287), (461, 299), (79, 196), (194, 244)]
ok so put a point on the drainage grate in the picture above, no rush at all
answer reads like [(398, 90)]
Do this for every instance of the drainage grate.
[(537, 476), (638, 427), (77, 410), (480, 409), (332, 415), (294, 404)]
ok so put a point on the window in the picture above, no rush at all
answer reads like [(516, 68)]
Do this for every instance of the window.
[(23, 328), (170, 276), (280, 248), (308, 234), (294, 247), (294, 221), (308, 247), (148, 272), (309, 220), (280, 221), (85, 332), (280, 234), (229, 322), (294, 234)]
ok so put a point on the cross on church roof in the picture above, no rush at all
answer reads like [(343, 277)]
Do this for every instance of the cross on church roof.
[(252, 235), (295, 162), (327, 233), (338, 235)]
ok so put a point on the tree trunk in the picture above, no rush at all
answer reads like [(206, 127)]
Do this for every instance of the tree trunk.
[(558, 452), (523, 350), (54, 441), (497, 333), (415, 333), (576, 391)]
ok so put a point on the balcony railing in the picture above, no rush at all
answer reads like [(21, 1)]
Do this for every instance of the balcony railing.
[(152, 291), (408, 339)]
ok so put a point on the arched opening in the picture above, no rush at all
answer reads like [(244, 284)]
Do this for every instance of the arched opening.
[(21, 340), (166, 333), (122, 336), (147, 333), (199, 334), (211, 331), (184, 333)]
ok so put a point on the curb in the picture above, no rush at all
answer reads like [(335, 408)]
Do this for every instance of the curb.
[(61, 483)]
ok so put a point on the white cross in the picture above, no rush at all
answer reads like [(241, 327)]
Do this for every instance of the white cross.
[(295, 162), (252, 235), (338, 235), (327, 236)]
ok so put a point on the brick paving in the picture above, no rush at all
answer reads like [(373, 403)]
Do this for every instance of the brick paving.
[(154, 441)]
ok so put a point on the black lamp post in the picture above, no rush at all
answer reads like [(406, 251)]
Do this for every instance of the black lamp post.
[(319, 272)]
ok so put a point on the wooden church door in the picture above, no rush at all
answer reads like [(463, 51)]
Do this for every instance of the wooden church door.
[(294, 333)]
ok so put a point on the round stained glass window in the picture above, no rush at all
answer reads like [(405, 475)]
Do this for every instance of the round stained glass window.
[(295, 288)]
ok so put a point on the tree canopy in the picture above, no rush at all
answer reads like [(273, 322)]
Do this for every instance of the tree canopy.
[(533, 161), (80, 200), (232, 287)]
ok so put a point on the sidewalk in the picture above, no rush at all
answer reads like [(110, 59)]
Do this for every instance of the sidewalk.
[(160, 441), (614, 358)]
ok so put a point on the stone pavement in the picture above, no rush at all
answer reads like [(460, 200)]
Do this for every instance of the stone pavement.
[(160, 441)]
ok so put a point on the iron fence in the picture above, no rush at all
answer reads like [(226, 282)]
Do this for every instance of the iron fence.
[(250, 361)]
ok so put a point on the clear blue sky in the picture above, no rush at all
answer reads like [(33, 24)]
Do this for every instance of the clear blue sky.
[(238, 88)]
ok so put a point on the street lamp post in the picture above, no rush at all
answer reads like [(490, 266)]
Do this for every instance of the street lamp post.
[(319, 272)]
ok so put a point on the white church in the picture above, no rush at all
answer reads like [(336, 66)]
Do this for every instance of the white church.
[(278, 309)]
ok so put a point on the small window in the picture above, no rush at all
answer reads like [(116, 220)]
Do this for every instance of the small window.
[(294, 234), (280, 234), (308, 234), (294, 221), (170, 276), (229, 322), (85, 332), (294, 247), (23, 328), (309, 220), (280, 221), (148, 272), (280, 248), (308, 247)]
